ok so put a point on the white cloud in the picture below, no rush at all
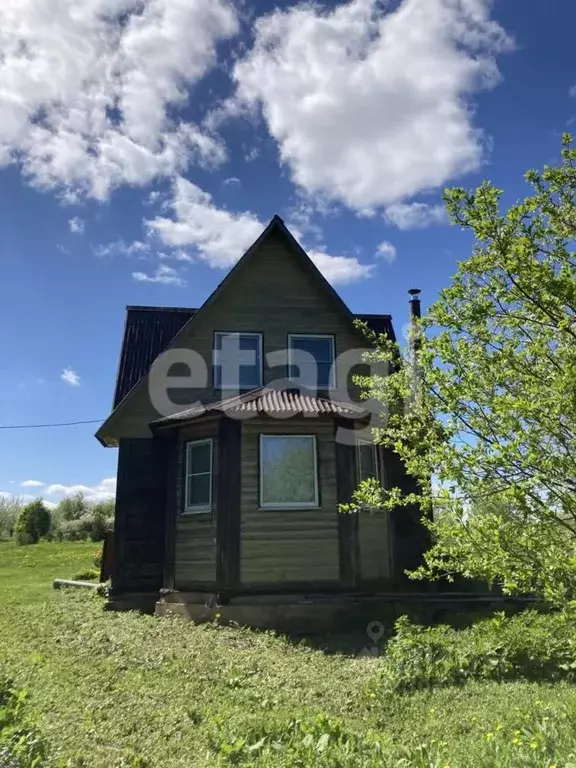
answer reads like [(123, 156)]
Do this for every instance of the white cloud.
[(31, 484), (572, 92), (137, 249), (371, 107), (220, 237), (252, 155), (76, 225), (340, 269), (89, 90), (70, 377), (386, 251), (102, 491), (232, 181), (106, 489), (164, 275), (415, 215)]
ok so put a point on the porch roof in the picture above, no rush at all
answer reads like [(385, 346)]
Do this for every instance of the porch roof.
[(269, 401)]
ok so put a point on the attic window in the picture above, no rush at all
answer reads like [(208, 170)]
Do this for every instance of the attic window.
[(237, 362), (311, 360)]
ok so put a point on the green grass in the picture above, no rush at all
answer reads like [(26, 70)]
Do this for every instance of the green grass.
[(107, 690)]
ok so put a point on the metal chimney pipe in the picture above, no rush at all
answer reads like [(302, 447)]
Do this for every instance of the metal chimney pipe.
[(415, 311)]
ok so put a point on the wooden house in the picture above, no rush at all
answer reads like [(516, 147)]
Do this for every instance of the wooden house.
[(239, 432)]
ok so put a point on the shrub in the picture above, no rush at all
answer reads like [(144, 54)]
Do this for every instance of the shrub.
[(9, 511), (90, 575), (529, 645), (77, 519), (33, 523)]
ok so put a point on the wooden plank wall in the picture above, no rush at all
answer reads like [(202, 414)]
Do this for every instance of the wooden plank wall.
[(374, 537), (228, 510), (140, 514), (289, 546), (347, 523), (409, 537), (195, 547)]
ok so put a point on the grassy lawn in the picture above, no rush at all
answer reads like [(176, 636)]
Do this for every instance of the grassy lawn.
[(109, 690)]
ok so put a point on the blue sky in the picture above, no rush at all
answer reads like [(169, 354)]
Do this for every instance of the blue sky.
[(145, 145)]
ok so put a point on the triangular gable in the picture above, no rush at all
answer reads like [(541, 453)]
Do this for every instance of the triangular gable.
[(276, 227)]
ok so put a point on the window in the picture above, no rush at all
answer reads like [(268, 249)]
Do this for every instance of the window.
[(237, 361), (288, 471), (198, 486), (311, 360), (367, 460)]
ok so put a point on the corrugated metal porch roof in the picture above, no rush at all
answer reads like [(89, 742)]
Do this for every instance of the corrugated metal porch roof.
[(270, 401)]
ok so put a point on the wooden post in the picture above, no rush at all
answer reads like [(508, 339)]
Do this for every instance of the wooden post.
[(228, 503)]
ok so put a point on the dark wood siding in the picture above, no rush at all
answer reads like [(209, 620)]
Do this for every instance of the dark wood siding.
[(140, 515), (274, 295), (374, 538), (195, 539), (289, 546), (228, 509), (409, 538), (347, 523)]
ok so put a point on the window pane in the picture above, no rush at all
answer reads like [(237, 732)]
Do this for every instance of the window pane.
[(312, 375), (367, 460), (198, 458), (237, 361), (311, 361), (287, 467), (249, 376), (319, 348), (198, 490)]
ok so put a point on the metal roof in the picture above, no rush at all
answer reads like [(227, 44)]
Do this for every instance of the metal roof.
[(270, 401), (149, 330)]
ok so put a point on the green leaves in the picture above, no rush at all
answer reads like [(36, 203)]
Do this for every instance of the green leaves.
[(492, 413)]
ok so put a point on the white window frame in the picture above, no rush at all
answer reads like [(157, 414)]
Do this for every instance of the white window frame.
[(375, 454), (199, 508), (283, 504), (332, 382), (215, 362)]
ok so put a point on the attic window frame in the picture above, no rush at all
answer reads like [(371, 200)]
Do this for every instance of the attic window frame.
[(215, 362), (291, 363)]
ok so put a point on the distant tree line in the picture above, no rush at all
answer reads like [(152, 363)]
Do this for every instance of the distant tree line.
[(75, 518)]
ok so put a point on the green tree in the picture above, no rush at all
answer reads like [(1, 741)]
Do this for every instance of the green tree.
[(33, 523), (9, 510), (73, 507), (486, 420)]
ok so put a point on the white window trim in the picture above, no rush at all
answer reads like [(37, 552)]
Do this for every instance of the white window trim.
[(200, 508), (289, 505), (374, 451), (332, 382), (215, 358)]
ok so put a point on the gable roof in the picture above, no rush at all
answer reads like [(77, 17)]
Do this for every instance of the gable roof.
[(150, 333), (269, 400)]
